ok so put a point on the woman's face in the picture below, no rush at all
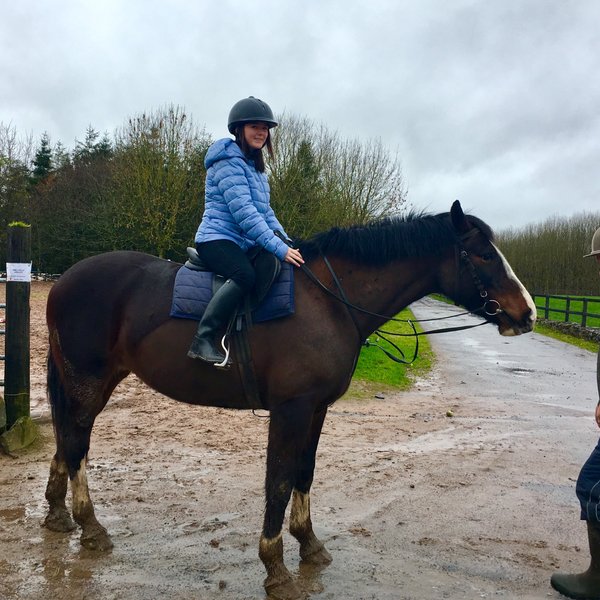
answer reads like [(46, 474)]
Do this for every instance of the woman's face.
[(256, 134)]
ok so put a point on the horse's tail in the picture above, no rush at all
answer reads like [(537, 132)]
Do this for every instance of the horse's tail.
[(57, 394)]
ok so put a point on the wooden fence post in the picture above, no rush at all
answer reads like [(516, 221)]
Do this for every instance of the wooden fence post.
[(18, 288)]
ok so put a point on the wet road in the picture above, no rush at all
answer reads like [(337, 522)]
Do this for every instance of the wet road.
[(535, 375), (532, 401)]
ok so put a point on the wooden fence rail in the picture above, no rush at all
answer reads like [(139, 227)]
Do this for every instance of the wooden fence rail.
[(569, 309)]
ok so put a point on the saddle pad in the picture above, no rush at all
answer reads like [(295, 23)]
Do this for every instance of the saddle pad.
[(193, 290)]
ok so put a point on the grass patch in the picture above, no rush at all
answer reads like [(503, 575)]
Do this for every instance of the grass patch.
[(374, 367), (565, 337)]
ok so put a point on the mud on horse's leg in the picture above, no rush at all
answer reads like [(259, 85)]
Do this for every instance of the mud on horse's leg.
[(74, 413), (312, 549), (288, 431), (93, 535), (58, 517)]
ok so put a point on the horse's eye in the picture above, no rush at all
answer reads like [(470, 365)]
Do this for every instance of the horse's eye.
[(488, 256)]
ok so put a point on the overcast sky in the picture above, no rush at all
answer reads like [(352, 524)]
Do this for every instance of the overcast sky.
[(494, 102)]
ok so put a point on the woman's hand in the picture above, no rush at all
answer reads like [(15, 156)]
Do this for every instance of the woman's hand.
[(598, 414), (294, 257)]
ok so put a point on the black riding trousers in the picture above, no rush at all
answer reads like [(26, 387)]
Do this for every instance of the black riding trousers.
[(226, 258)]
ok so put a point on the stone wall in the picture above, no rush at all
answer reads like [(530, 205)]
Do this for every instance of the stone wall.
[(591, 334)]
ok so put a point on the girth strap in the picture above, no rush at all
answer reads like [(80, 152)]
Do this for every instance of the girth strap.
[(245, 364)]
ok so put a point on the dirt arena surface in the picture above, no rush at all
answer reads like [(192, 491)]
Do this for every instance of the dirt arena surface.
[(410, 502)]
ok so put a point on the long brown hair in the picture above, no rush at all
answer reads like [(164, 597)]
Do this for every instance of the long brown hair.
[(255, 155)]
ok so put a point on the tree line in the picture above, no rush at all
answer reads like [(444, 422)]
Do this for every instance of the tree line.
[(143, 188)]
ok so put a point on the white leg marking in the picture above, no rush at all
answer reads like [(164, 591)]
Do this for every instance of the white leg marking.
[(79, 486), (300, 513), (270, 549)]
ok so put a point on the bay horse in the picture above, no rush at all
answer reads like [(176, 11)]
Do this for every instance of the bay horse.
[(108, 316)]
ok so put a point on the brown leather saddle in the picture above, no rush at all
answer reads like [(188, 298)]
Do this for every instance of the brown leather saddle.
[(267, 268)]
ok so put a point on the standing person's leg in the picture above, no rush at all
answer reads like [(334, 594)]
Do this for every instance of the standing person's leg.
[(586, 584), (229, 260)]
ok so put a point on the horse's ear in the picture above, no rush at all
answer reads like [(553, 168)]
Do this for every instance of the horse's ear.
[(458, 218)]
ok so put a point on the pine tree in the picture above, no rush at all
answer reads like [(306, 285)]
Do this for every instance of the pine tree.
[(61, 156), (42, 163), (104, 148), (93, 147)]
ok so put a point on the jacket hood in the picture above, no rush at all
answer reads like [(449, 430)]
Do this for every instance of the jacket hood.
[(221, 149)]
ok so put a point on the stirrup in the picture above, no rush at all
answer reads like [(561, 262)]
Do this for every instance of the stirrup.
[(226, 362)]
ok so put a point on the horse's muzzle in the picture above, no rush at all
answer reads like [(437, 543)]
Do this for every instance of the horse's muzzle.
[(508, 326)]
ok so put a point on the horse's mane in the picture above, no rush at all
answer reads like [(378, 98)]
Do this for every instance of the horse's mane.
[(383, 240)]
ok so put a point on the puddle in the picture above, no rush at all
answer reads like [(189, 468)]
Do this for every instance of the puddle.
[(12, 514), (519, 370)]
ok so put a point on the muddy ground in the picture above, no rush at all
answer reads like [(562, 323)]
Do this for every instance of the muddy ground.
[(410, 502)]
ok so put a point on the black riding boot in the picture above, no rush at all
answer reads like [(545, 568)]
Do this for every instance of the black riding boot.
[(583, 586), (215, 318)]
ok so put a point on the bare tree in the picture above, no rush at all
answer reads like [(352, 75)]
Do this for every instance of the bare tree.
[(15, 157), (319, 180)]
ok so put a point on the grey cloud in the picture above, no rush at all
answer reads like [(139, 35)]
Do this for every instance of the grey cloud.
[(494, 102)]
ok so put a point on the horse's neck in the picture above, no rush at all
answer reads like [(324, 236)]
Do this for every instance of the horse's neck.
[(384, 290)]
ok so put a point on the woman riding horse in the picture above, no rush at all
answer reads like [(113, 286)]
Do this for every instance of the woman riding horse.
[(302, 363), (237, 217)]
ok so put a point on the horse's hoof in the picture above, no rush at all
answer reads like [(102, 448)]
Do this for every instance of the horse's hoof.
[(97, 540), (320, 557), (59, 521), (285, 589)]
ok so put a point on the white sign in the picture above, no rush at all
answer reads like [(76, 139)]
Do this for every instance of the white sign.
[(18, 272)]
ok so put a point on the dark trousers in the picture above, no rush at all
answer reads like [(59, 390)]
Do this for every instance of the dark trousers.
[(588, 487), (226, 258)]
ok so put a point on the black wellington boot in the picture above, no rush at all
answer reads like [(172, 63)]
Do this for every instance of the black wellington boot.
[(215, 318), (586, 585)]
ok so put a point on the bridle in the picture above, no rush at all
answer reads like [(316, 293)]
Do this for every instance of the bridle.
[(489, 307), (463, 256)]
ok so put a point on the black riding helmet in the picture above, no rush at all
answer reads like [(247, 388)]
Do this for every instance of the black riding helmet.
[(249, 110)]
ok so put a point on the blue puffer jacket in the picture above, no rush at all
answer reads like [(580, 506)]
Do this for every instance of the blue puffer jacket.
[(237, 204)]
